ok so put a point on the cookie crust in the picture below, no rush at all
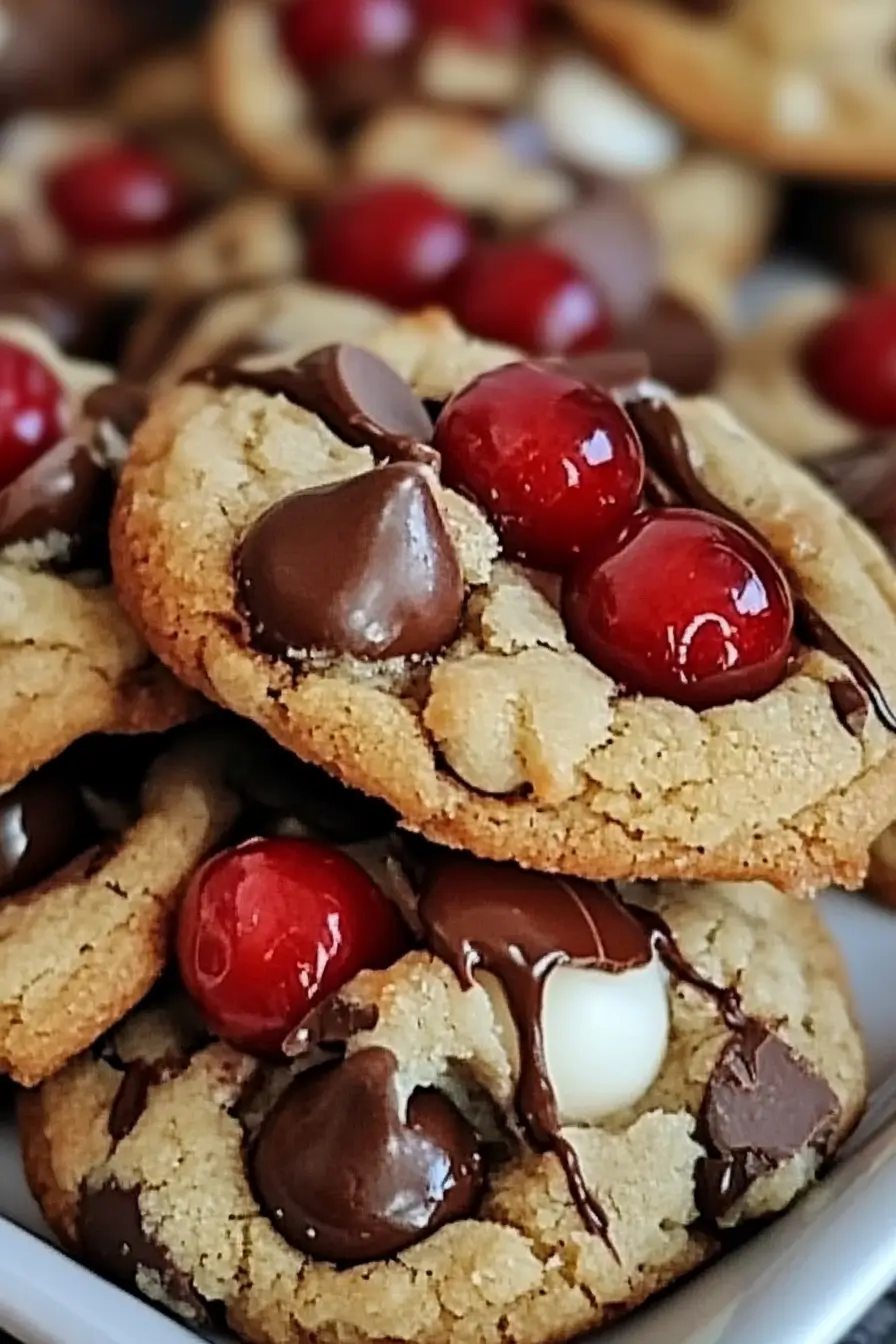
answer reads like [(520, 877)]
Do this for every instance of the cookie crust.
[(524, 1270)]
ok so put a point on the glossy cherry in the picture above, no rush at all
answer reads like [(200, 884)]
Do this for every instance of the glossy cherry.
[(490, 23), (555, 462), (526, 294), (117, 196), (271, 927), (684, 606), (850, 360), (33, 410), (394, 241), (317, 34)]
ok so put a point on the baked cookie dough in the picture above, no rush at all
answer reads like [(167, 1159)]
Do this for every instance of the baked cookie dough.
[(70, 662), (451, 687), (806, 88), (171, 1165)]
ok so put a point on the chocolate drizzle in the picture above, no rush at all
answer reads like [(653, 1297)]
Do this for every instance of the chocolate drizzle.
[(671, 472), (357, 395), (519, 926)]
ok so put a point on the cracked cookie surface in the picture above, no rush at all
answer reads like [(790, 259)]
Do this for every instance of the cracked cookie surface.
[(511, 744), (808, 89), (173, 1181)]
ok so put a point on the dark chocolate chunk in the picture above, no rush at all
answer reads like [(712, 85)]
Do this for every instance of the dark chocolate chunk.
[(681, 346), (669, 463), (114, 1243), (122, 403), (344, 1176), (520, 925), (364, 567), (65, 491), (356, 394), (44, 824), (612, 239), (763, 1105)]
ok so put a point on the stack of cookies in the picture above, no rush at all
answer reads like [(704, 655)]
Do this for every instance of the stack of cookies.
[(429, 712), (485, 993)]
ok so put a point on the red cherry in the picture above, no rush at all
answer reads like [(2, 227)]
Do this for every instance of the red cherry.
[(113, 195), (395, 241), (527, 294), (850, 360), (682, 605), (553, 461), (491, 23), (33, 410), (320, 33), (271, 927)]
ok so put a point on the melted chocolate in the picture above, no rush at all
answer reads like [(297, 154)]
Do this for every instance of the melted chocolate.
[(345, 1176), (356, 394), (114, 1242), (44, 824), (683, 349), (364, 566), (762, 1105), (669, 462), (64, 491), (122, 403)]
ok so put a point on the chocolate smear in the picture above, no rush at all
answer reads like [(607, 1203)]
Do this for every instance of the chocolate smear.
[(683, 349), (343, 1175), (122, 403), (364, 567), (763, 1105), (520, 926), (668, 459), (114, 1243), (65, 491), (357, 395), (850, 705), (44, 824)]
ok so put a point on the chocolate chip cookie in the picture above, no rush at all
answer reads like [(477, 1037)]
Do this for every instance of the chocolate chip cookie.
[(499, 1187), (666, 652), (803, 89), (70, 662)]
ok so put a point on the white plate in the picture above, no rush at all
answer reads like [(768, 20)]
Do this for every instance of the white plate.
[(804, 1280)]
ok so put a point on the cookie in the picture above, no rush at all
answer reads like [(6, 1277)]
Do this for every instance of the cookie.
[(806, 89), (172, 1165), (454, 688), (70, 662)]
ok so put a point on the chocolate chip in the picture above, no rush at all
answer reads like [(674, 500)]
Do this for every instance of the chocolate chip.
[(122, 403), (114, 1243), (763, 1104), (364, 567), (333, 1023), (131, 1098), (683, 349), (356, 394), (44, 824), (609, 369), (65, 491), (344, 1176), (850, 705), (612, 239)]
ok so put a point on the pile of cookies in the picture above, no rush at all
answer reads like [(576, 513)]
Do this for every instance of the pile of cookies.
[(428, 712)]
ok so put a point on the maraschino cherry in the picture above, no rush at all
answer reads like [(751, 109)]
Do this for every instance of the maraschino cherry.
[(526, 294), (33, 410), (850, 360), (318, 34), (555, 462), (488, 23), (682, 605), (117, 196), (271, 927), (395, 241)]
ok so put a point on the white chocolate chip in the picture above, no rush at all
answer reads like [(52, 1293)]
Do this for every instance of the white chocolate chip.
[(595, 122), (605, 1036)]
